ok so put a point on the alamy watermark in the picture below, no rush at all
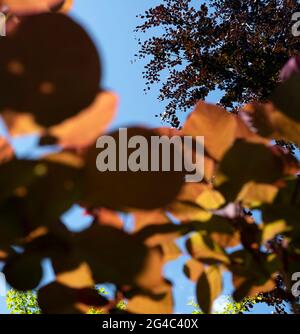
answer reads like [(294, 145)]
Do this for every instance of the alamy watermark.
[(2, 24), (296, 25), (2, 285), (157, 154), (296, 285)]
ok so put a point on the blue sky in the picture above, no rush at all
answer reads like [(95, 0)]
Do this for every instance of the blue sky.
[(111, 24)]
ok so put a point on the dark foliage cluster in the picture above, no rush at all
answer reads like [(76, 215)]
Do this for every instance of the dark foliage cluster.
[(236, 46)]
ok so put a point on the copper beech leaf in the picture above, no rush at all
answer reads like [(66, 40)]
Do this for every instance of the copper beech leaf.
[(249, 287), (56, 298), (48, 76), (209, 287), (82, 130), (159, 302), (270, 122), (254, 194), (215, 124), (25, 7), (111, 255), (170, 251), (121, 190), (252, 275), (220, 130), (188, 211), (202, 248), (23, 271), (144, 218), (247, 162), (210, 200), (193, 269), (286, 97)]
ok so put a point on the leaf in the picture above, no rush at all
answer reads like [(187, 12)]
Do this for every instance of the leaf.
[(254, 194), (82, 130), (215, 124), (57, 74), (222, 232), (272, 123), (99, 247), (210, 200), (285, 214), (64, 7), (6, 151), (78, 278), (193, 269), (161, 302), (225, 240), (188, 211), (246, 162), (170, 251), (151, 276), (153, 235), (23, 271), (145, 218), (252, 274), (146, 190), (286, 97), (53, 193), (25, 7), (248, 287), (56, 298), (209, 287), (190, 191), (202, 248), (272, 229), (109, 217)]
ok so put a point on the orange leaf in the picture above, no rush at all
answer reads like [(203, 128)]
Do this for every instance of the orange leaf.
[(25, 7), (83, 129), (216, 125)]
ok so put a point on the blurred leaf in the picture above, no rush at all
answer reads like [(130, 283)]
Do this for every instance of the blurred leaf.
[(57, 298), (23, 271), (187, 211), (202, 248), (145, 190), (208, 120), (246, 162), (109, 217), (51, 76), (151, 276), (170, 251), (254, 194), (209, 287), (82, 130), (272, 229), (145, 218), (26, 7), (272, 123), (286, 97), (248, 287), (210, 200), (193, 269), (161, 302), (99, 247)]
